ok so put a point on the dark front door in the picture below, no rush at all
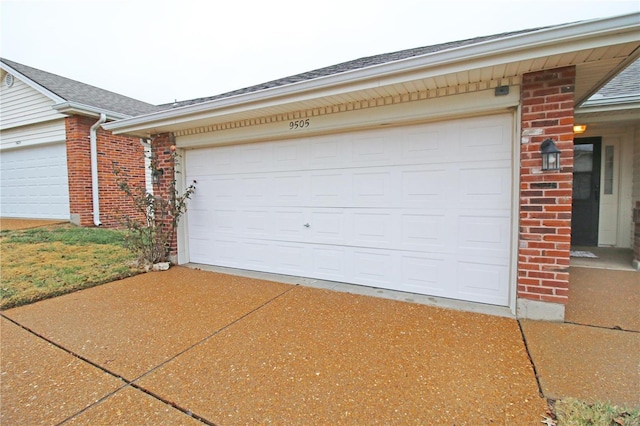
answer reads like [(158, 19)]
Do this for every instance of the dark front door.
[(586, 192)]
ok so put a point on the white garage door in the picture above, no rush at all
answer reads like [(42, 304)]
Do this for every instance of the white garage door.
[(33, 183), (424, 209)]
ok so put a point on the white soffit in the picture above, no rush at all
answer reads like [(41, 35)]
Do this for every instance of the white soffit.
[(598, 48)]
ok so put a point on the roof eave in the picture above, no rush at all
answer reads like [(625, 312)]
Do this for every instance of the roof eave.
[(31, 83), (581, 35)]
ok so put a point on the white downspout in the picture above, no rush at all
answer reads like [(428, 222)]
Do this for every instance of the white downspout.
[(94, 168)]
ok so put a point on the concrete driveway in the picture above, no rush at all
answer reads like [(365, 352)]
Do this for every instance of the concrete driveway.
[(189, 347)]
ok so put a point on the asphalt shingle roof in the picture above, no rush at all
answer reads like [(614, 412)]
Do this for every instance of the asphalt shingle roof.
[(627, 83), (75, 91)]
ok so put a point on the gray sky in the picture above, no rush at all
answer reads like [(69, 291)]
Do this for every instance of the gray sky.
[(161, 50)]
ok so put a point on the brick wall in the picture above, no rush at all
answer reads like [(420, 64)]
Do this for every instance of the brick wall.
[(125, 152), (545, 197), (161, 148)]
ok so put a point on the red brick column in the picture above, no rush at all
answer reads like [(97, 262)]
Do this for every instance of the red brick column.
[(123, 152), (545, 197), (161, 148)]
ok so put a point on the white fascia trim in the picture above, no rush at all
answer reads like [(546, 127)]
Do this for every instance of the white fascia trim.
[(570, 37), (610, 101), (26, 80), (72, 108), (629, 106)]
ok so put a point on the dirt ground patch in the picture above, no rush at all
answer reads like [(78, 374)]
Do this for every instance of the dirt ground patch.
[(9, 224)]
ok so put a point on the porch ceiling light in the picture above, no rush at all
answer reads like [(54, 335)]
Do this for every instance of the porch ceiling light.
[(550, 155), (579, 128)]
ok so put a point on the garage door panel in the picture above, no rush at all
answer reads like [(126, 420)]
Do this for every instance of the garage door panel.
[(328, 153), (482, 188), (485, 141), (373, 149), (483, 281), (375, 267), (257, 255), (423, 231), (224, 221), (254, 189), (373, 229), (227, 252), (329, 189), (372, 188), (423, 208), (420, 146), (256, 157), (424, 186), (421, 273), (328, 226), (290, 259), (255, 223), (223, 190), (289, 154), (485, 236), (290, 189), (329, 263), (289, 225)]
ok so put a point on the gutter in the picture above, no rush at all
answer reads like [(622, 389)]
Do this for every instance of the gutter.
[(71, 108), (94, 168)]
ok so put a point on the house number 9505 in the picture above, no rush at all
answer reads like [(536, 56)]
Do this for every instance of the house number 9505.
[(298, 124)]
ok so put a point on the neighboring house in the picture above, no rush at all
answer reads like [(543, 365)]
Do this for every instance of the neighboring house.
[(56, 162)]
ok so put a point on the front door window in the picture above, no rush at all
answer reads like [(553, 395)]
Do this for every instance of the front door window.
[(586, 192)]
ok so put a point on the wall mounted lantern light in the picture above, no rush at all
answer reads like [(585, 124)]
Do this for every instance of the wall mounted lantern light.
[(550, 155), (157, 176)]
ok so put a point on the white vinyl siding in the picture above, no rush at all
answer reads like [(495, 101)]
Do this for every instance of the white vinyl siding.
[(34, 182), (35, 134), (22, 105), (423, 208)]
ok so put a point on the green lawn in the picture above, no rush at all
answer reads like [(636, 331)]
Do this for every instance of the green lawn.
[(39, 263)]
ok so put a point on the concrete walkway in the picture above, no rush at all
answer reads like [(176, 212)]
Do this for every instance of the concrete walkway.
[(193, 347), (595, 355)]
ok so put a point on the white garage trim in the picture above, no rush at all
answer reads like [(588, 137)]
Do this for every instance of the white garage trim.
[(476, 103), (34, 182), (424, 208)]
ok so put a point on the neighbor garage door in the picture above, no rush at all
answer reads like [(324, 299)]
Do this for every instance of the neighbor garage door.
[(423, 208), (33, 183)]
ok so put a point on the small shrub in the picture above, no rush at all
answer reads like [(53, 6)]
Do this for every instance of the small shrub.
[(152, 230)]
